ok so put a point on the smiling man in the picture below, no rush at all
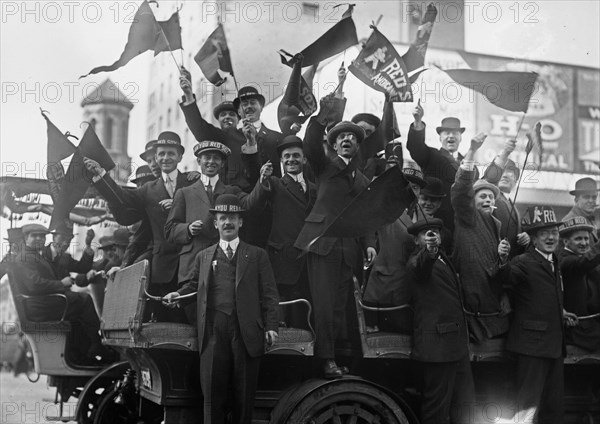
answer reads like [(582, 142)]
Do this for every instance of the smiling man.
[(586, 204)]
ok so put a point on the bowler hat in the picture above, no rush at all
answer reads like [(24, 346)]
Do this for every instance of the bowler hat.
[(106, 242), (120, 237), (345, 126), (248, 92), (433, 188), (368, 118), (14, 235), (34, 228), (584, 185), (289, 141), (414, 175), (425, 224), (211, 146), (223, 106), (170, 139), (450, 124), (227, 203), (143, 175), (149, 149), (538, 217), (481, 184), (577, 223)]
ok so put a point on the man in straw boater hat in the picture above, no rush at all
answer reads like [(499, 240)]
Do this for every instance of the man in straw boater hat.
[(149, 156), (237, 315), (536, 332), (439, 163), (332, 261), (440, 337), (580, 265), (155, 199), (586, 198), (190, 222)]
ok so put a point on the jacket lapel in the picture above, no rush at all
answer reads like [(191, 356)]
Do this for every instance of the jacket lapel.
[(200, 192), (181, 181), (242, 262), (206, 265), (294, 188), (161, 189)]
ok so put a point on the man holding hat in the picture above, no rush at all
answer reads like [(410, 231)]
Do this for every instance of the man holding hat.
[(249, 135), (578, 260), (439, 163), (536, 332), (35, 276), (440, 336), (586, 197), (332, 262), (480, 253), (190, 222), (155, 199), (237, 315)]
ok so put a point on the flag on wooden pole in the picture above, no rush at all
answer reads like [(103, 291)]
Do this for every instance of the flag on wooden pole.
[(213, 57)]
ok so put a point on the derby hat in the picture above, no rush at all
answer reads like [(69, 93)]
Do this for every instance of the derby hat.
[(223, 106), (433, 188), (483, 184), (34, 229), (287, 142), (227, 203), (425, 224), (211, 146), (143, 175), (120, 237), (14, 235), (414, 175), (584, 185), (149, 149), (170, 139), (538, 217), (369, 118), (450, 124), (578, 223), (345, 126), (248, 92), (106, 242)]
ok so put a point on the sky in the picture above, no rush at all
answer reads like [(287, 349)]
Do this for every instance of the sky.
[(46, 46)]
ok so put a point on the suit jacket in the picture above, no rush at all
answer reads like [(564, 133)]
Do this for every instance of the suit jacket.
[(235, 171), (140, 244), (440, 328), (64, 264), (255, 294), (192, 203), (537, 302), (290, 206), (336, 187), (435, 163), (146, 198), (476, 238), (35, 275)]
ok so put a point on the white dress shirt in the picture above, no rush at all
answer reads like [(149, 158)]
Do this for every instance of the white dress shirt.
[(233, 243)]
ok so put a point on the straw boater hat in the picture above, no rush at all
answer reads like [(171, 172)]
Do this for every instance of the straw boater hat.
[(149, 149), (584, 185), (450, 124), (211, 146), (227, 203), (143, 175), (425, 224), (578, 223), (345, 126), (538, 217), (248, 92), (170, 139), (120, 237)]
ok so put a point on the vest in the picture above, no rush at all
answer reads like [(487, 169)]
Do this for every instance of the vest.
[(221, 286)]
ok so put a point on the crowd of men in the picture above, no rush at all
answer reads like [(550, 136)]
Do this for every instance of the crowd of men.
[(245, 232)]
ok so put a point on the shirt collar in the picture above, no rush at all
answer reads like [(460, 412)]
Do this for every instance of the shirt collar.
[(213, 180), (172, 174), (233, 243), (547, 256), (297, 177), (257, 124), (346, 160)]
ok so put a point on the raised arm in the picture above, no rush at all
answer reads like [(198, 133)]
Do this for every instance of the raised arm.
[(419, 151), (494, 171)]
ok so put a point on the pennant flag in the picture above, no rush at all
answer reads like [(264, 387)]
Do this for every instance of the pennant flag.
[(414, 58), (381, 203), (298, 97), (59, 148), (385, 132), (214, 57), (380, 67), (337, 39), (506, 89), (169, 35), (142, 37), (78, 179)]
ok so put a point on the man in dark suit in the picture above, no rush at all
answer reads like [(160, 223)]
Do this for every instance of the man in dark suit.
[(292, 198), (536, 332), (61, 261), (440, 340), (332, 262), (190, 222), (237, 313), (155, 199), (439, 163)]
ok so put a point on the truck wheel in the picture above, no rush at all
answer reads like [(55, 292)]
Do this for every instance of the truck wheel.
[(341, 401)]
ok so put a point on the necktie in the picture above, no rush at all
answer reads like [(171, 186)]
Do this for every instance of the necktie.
[(551, 264), (169, 186), (209, 192), (229, 251), (301, 184)]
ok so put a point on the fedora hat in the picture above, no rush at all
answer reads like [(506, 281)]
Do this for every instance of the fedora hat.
[(369, 118), (345, 126), (538, 217), (211, 146), (577, 223), (227, 203), (425, 224), (170, 139), (584, 185), (143, 175), (289, 141), (481, 184), (248, 92), (34, 229), (433, 188), (149, 149), (450, 124), (120, 237), (223, 106), (106, 242)]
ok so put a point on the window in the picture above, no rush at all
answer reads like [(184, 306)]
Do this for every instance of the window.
[(169, 118), (160, 124), (151, 132), (152, 101), (108, 133)]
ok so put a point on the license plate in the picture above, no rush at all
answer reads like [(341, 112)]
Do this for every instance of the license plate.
[(146, 379)]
